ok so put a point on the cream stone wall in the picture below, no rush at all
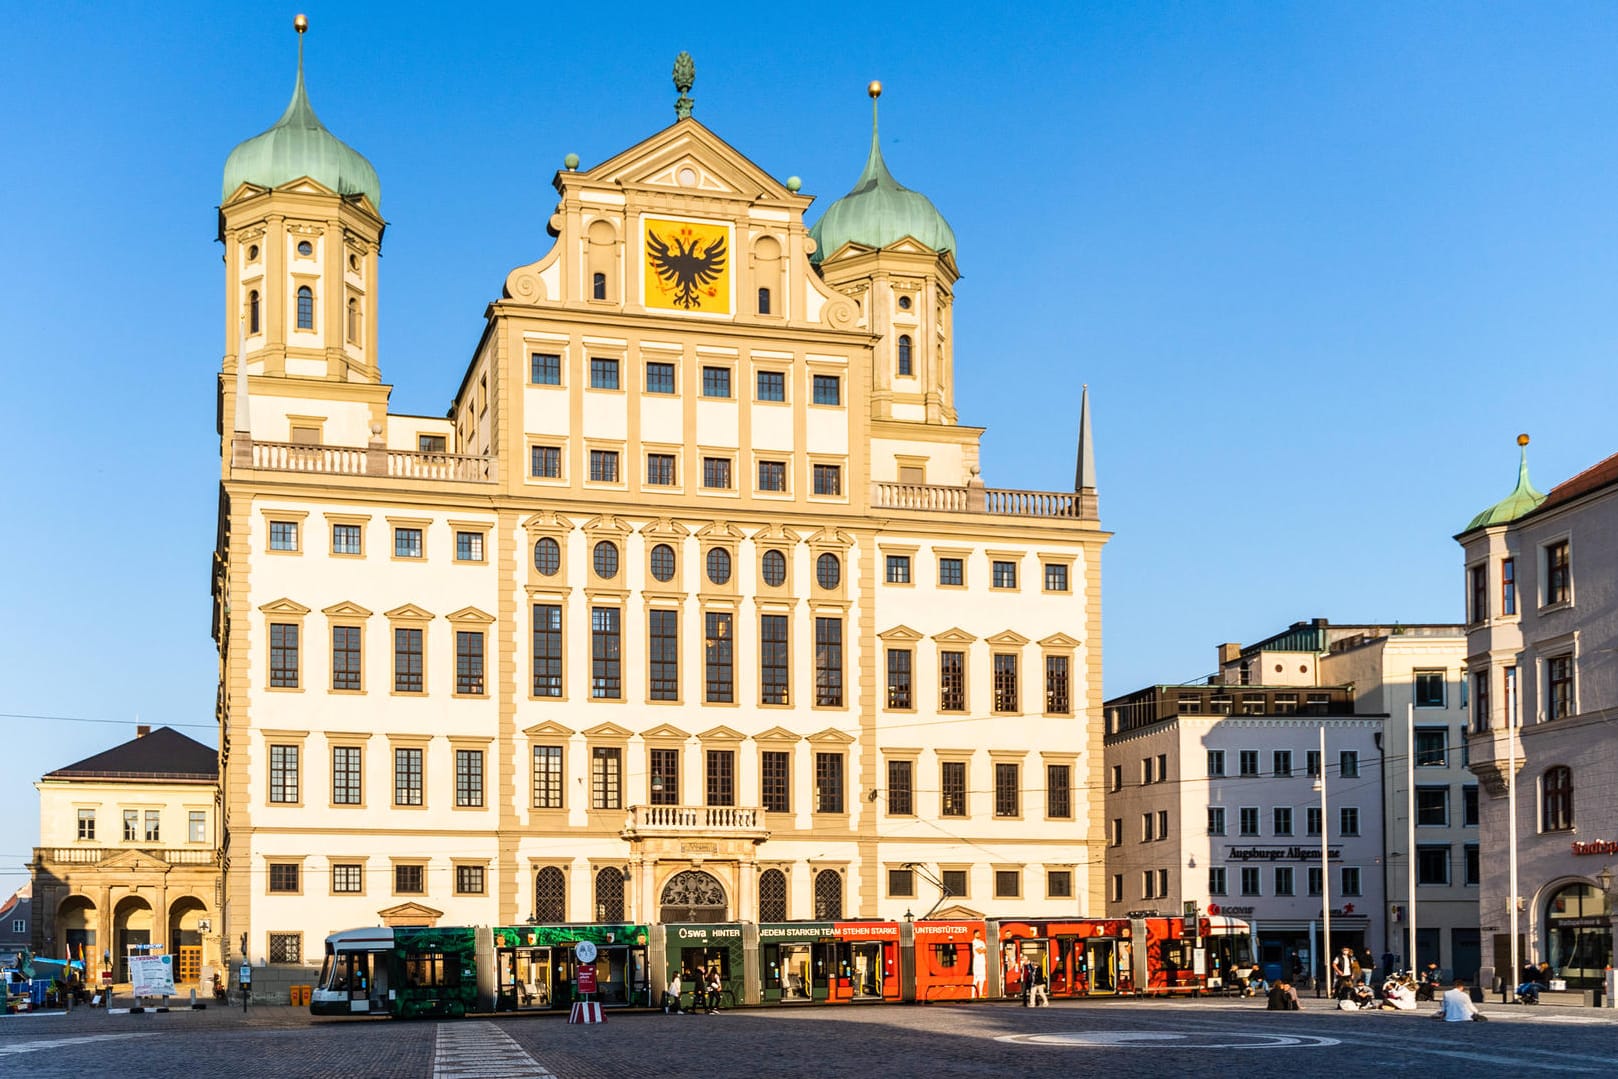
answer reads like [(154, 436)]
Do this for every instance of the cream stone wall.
[(61, 800)]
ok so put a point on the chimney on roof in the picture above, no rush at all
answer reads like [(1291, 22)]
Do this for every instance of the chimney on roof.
[(142, 730), (1229, 653)]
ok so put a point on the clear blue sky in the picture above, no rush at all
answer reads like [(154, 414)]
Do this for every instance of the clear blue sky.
[(1319, 264)]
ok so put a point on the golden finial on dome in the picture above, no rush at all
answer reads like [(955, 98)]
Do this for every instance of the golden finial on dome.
[(1522, 440), (300, 23), (875, 89)]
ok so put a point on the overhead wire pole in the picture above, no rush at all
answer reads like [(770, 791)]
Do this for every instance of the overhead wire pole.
[(1511, 833), (1325, 867), (1410, 825)]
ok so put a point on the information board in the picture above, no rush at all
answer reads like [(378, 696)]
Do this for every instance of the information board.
[(151, 975)]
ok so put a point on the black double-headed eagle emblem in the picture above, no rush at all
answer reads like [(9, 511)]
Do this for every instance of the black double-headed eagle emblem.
[(687, 265)]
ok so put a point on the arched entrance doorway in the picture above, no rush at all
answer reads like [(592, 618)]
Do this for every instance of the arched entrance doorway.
[(186, 915), (132, 923), (76, 928), (693, 896), (1578, 935)]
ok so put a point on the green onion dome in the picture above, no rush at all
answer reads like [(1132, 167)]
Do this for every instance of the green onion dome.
[(297, 146)]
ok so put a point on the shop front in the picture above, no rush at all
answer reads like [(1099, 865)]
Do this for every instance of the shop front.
[(1578, 935)]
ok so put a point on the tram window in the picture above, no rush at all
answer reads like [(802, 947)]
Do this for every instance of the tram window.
[(946, 955), (431, 969)]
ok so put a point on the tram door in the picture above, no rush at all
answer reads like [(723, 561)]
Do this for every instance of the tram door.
[(1067, 968), (1101, 958), (793, 971), (527, 973), (861, 964)]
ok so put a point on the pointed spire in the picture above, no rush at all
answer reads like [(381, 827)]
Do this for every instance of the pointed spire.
[(876, 169), (1084, 468), (1522, 500)]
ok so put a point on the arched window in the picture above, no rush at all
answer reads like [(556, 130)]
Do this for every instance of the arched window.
[(692, 895), (252, 311), (775, 568), (828, 571), (905, 364), (550, 896), (772, 896), (663, 562), (763, 301), (828, 894), (598, 286), (1556, 788), (606, 559), (719, 565), (353, 320), (609, 894), (547, 556), (306, 307)]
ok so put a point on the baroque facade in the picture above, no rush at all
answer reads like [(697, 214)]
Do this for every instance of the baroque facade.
[(695, 606)]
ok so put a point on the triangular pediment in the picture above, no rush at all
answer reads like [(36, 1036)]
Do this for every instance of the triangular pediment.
[(954, 635), (471, 614), (689, 158), (900, 633), (721, 530), (548, 522), (665, 732), (722, 733), (410, 914), (908, 245), (607, 522), (831, 537), (663, 528), (1058, 640), (831, 736), (955, 912), (345, 609), (131, 859), (284, 606), (778, 734), (1008, 638), (409, 613), (548, 729), (609, 732), (777, 534)]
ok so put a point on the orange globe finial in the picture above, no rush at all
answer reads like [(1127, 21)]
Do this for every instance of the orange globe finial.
[(300, 23), (1522, 440), (875, 88)]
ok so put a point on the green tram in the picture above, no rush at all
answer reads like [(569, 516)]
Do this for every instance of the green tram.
[(411, 971)]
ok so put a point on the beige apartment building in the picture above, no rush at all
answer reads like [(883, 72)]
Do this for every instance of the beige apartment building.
[(697, 604)]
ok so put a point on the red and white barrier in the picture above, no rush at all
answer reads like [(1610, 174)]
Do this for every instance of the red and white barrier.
[(586, 1011)]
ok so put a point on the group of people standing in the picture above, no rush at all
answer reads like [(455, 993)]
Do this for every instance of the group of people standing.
[(706, 988)]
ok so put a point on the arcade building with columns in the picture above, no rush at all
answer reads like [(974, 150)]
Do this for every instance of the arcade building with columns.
[(696, 605)]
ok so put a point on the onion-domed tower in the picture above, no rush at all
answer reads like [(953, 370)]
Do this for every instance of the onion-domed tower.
[(890, 249)]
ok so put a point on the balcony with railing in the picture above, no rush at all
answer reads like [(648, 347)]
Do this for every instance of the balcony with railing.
[(976, 498), (97, 855), (719, 822), (374, 460)]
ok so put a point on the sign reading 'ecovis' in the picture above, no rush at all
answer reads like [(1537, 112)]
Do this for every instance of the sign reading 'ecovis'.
[(1279, 854)]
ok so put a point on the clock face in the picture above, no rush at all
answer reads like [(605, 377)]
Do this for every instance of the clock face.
[(687, 266)]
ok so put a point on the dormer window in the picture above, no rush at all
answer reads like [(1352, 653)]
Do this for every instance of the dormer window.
[(306, 307), (598, 286), (763, 301), (252, 312), (906, 366)]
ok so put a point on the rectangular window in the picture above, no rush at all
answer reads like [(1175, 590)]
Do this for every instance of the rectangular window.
[(545, 462), (716, 473), (1351, 880), (952, 788), (283, 535), (901, 788), (660, 378), (345, 539), (1429, 689), (1148, 771), (829, 662), (345, 657), (1348, 764), (547, 777), (828, 479), (87, 824), (1216, 820), (1216, 880), (406, 660), (899, 684), (772, 476), (1558, 573), (1249, 820), (660, 470), (606, 654), (603, 466), (1281, 762), (1480, 699), (1058, 691), (1216, 763), (1508, 586), (828, 390), (1249, 762), (1477, 594), (603, 374), (1348, 821), (772, 386), (716, 382), (1469, 805), (407, 777), (410, 879), (154, 825), (347, 878), (952, 572), (1474, 869), (1007, 884), (828, 782), (606, 777), (1055, 577), (345, 775), (721, 778), (1117, 891), (1432, 747), (1162, 824), (1005, 574), (131, 825), (775, 781), (902, 883), (665, 777), (407, 543), (952, 681), (1117, 782), (1311, 818), (718, 651), (1432, 806), (284, 878), (469, 662), (283, 655), (432, 443), (898, 569), (283, 773), (1283, 880), (547, 650), (1059, 791), (663, 654), (469, 879), (469, 777), (773, 659), (544, 369), (1007, 790), (1005, 682), (955, 883), (1282, 820), (1059, 884), (469, 546), (1250, 880), (1558, 687), (1115, 832)]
